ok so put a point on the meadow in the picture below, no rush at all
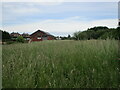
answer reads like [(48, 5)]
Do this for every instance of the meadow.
[(61, 64)]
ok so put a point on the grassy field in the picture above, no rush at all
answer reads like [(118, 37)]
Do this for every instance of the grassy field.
[(62, 64)]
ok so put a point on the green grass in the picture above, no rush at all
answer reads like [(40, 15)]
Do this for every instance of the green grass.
[(0, 66), (61, 64)]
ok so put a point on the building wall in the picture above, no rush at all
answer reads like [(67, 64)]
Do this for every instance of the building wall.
[(35, 39), (35, 36), (50, 38), (39, 36)]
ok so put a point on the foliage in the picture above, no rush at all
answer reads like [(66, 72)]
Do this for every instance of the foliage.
[(0, 35), (63, 38), (5, 36), (76, 35), (61, 64), (98, 33), (66, 38), (98, 28), (69, 37), (20, 39)]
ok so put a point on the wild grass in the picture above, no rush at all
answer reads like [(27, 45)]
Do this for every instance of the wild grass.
[(0, 66), (61, 64)]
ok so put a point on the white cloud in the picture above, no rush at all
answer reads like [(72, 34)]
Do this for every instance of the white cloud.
[(60, 0), (0, 15), (26, 10), (50, 3), (13, 11), (29, 12), (69, 25), (20, 8)]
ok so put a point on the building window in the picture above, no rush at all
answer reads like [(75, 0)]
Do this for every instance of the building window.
[(27, 38), (44, 35), (39, 34), (38, 37)]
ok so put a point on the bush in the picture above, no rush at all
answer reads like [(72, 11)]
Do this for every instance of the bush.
[(20, 39), (11, 42)]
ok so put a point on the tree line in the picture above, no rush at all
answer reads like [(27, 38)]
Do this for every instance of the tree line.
[(7, 38), (99, 32)]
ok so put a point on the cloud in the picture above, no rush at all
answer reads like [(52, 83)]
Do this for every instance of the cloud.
[(20, 8), (12, 12), (17, 13), (56, 17), (0, 15), (119, 10), (26, 10), (60, 0), (61, 27), (50, 3)]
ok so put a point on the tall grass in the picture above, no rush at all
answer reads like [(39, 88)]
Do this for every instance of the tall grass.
[(61, 64), (0, 66)]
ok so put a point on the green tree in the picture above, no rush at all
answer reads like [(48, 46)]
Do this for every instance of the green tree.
[(5, 36), (98, 28), (76, 35), (69, 37), (20, 39), (98, 33)]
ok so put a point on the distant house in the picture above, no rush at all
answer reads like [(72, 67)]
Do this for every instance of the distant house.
[(14, 35), (26, 36), (40, 35)]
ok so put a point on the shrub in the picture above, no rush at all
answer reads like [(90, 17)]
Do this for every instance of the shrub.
[(20, 39)]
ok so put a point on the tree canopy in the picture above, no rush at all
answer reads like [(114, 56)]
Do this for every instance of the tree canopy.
[(98, 33), (5, 35)]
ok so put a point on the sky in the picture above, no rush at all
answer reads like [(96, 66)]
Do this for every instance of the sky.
[(57, 18)]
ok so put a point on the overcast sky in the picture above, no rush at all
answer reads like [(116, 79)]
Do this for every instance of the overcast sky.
[(58, 18)]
